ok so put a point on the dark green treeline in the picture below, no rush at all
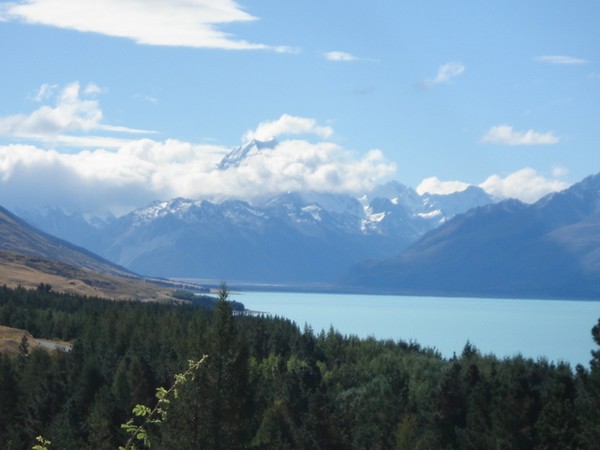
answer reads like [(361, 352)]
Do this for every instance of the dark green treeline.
[(268, 385)]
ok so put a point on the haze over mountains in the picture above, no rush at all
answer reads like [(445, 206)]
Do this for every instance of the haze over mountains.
[(548, 249)]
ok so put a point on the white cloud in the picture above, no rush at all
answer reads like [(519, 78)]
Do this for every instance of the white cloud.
[(92, 89), (140, 171), (68, 122), (559, 171), (296, 165), (339, 56), (433, 185), (188, 23), (445, 73), (504, 134), (45, 92), (561, 59), (285, 125), (525, 184)]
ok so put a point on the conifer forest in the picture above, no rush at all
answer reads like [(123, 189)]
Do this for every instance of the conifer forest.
[(263, 382)]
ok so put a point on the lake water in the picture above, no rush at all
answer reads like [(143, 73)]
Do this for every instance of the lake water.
[(555, 329)]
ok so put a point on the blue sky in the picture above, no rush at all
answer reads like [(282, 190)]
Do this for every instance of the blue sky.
[(117, 103)]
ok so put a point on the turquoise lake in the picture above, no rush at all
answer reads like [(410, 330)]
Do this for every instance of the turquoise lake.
[(558, 330)]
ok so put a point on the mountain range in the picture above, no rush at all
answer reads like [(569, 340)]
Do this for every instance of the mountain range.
[(547, 249), (287, 238), (291, 237), (391, 239)]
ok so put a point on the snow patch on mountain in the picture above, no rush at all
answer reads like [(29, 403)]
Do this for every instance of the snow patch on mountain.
[(178, 207), (431, 214), (314, 212)]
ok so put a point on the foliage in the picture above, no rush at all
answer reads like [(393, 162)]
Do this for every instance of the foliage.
[(269, 385), (158, 414), (43, 444)]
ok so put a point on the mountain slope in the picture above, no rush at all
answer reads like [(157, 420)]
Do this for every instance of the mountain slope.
[(291, 237), (29, 257), (19, 237), (17, 269), (285, 240), (548, 249)]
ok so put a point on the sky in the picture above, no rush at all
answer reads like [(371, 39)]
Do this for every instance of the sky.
[(107, 106)]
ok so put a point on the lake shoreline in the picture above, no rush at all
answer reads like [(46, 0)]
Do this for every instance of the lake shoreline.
[(330, 288)]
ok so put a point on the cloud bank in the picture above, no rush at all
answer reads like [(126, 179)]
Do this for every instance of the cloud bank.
[(526, 185), (146, 170), (187, 23), (123, 174), (45, 165), (504, 134)]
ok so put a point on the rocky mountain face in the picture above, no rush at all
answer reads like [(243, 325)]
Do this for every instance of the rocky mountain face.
[(292, 237), (548, 249)]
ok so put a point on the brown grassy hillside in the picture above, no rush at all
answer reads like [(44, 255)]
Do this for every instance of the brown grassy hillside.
[(20, 237), (10, 340), (29, 271), (29, 257)]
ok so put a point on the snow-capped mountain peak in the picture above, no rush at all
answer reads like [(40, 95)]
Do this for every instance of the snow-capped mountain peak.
[(157, 209), (239, 154)]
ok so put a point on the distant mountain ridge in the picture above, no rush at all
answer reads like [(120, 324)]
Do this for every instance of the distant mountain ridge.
[(291, 237), (548, 249), (286, 237)]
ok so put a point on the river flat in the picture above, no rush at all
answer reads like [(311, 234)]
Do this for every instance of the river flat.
[(558, 330)]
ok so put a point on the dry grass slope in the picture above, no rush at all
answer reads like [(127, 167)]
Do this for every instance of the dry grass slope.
[(10, 340), (29, 271), (20, 237), (29, 257)]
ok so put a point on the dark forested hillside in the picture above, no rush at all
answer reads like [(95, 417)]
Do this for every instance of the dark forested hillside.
[(268, 385)]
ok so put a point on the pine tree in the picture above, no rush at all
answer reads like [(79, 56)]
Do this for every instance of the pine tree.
[(214, 408)]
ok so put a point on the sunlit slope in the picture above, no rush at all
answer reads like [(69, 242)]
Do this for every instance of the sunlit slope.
[(29, 257), (18, 236)]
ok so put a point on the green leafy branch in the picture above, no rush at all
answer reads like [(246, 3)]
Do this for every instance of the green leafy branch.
[(43, 444), (139, 432)]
